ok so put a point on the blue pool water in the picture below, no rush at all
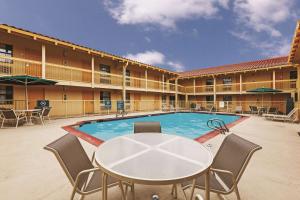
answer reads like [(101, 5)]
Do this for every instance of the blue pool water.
[(191, 125)]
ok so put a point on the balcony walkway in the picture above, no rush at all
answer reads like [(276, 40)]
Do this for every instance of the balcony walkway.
[(29, 172)]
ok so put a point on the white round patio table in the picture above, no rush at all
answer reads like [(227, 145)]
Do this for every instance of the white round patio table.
[(153, 159)]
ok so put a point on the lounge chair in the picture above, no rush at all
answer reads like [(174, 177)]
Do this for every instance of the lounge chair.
[(147, 127), (239, 109), (253, 110), (289, 117), (42, 114), (11, 115), (228, 167), (273, 110), (83, 175)]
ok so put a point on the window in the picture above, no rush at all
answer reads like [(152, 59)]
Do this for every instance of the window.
[(164, 99), (127, 102), (104, 96), (227, 98), (105, 78), (6, 94), (209, 85), (293, 76), (7, 51), (209, 98), (227, 84), (127, 77)]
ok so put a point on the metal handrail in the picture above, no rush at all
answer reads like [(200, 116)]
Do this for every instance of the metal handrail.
[(218, 125)]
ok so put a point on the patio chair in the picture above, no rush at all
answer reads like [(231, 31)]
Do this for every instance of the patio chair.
[(42, 114), (239, 109), (228, 167), (11, 115), (289, 117), (253, 110), (84, 177), (272, 110), (147, 127)]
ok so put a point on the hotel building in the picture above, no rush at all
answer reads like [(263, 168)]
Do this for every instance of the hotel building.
[(88, 78)]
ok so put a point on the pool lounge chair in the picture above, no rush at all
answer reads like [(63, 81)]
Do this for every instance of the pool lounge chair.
[(11, 115), (289, 117), (83, 175), (228, 167), (147, 127)]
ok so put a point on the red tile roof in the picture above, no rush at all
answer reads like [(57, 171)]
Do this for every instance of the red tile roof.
[(258, 64)]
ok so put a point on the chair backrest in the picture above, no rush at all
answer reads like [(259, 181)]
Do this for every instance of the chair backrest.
[(9, 114), (254, 108), (272, 110), (292, 113), (71, 156), (147, 127), (46, 111), (234, 155)]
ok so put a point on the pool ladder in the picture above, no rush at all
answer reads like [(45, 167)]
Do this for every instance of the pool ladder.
[(218, 125)]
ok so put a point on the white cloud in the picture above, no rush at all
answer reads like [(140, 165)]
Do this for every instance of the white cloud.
[(148, 39), (224, 3), (155, 58), (263, 15), (161, 12), (269, 47)]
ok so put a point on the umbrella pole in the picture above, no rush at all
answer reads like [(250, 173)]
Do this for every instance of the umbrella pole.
[(26, 94)]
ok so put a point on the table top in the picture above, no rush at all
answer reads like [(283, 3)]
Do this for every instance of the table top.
[(153, 158), (29, 110)]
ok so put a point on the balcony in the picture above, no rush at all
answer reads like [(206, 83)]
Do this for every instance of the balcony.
[(74, 76)]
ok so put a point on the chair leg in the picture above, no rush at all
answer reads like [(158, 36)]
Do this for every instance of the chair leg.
[(237, 192), (132, 192), (73, 193), (2, 123), (184, 194), (17, 123), (175, 192), (193, 189), (82, 197)]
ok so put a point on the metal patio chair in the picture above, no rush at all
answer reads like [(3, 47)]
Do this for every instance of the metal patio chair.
[(11, 115), (147, 127), (42, 114), (83, 175), (228, 167)]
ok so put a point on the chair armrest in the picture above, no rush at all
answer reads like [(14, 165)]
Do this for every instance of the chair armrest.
[(84, 172), (224, 172), (93, 157)]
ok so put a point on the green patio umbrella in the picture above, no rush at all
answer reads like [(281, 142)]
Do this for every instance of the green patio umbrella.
[(264, 90), (26, 81)]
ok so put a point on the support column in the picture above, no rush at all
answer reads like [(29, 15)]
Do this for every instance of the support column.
[(163, 82), (124, 83), (146, 78), (176, 94), (215, 94), (274, 79), (43, 61), (186, 101), (241, 83), (93, 71), (194, 83)]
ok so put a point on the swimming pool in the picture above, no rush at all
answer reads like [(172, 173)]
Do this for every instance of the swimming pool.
[(190, 125)]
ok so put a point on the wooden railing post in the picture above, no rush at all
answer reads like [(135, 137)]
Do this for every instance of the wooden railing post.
[(215, 94), (176, 94), (124, 83), (93, 71), (194, 84), (43, 61), (146, 78), (274, 79), (163, 82), (241, 83)]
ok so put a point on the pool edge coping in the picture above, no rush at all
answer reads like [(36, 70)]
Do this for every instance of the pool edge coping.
[(96, 141)]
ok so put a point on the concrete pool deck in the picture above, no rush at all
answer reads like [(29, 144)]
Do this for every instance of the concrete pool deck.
[(29, 172)]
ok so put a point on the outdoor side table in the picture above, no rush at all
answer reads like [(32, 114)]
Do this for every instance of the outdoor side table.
[(153, 159), (28, 113)]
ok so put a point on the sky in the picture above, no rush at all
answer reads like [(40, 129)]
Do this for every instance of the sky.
[(179, 35)]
